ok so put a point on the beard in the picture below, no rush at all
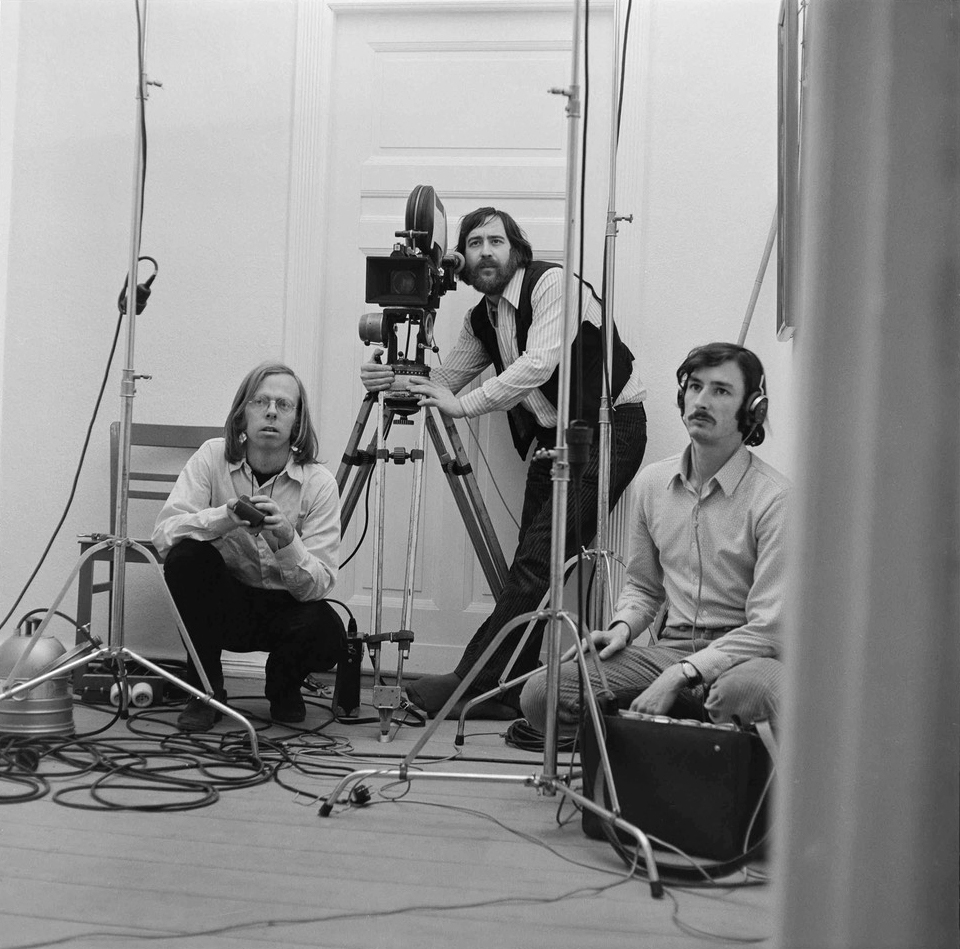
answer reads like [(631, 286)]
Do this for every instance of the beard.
[(496, 282)]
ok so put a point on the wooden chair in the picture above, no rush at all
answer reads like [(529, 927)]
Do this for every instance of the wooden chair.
[(157, 455)]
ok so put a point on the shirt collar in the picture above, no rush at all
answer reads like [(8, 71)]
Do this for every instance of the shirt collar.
[(728, 477), (511, 292), (292, 469)]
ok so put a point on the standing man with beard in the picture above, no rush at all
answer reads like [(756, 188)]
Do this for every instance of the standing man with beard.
[(518, 328)]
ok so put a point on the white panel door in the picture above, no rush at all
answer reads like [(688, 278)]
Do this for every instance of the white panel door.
[(454, 96)]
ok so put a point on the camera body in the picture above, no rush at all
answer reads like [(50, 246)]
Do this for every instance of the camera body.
[(408, 285)]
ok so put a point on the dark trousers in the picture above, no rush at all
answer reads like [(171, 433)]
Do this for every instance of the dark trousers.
[(529, 575), (220, 613)]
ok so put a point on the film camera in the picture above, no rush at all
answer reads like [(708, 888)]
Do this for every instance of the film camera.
[(408, 285)]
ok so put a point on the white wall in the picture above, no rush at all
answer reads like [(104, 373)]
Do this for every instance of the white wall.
[(697, 170), (9, 38)]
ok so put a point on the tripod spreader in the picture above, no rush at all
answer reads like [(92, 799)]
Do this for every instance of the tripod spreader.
[(399, 455)]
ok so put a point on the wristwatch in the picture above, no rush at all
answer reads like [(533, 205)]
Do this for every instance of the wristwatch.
[(691, 673)]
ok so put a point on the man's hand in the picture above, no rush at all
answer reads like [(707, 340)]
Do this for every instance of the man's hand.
[(374, 375), (277, 531), (659, 696), (608, 641), (239, 521), (437, 396)]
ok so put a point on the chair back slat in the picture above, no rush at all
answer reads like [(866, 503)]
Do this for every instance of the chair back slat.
[(161, 446), (152, 476)]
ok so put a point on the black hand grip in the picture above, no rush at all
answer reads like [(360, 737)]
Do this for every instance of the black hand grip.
[(247, 512)]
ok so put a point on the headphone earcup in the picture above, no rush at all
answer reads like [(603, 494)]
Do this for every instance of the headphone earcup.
[(754, 413)]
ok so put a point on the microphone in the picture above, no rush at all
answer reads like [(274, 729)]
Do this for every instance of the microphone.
[(143, 289), (454, 261)]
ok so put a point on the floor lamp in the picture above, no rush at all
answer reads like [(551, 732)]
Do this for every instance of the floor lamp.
[(115, 649)]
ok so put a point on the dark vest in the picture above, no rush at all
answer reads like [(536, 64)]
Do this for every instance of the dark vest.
[(587, 351)]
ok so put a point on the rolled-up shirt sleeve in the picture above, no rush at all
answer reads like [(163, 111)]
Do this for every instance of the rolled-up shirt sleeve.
[(465, 361)]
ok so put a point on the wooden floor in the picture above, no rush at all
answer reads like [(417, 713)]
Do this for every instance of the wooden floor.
[(458, 863)]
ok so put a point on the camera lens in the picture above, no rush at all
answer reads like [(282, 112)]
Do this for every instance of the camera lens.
[(403, 282)]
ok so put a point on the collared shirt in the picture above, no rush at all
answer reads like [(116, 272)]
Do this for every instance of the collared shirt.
[(522, 374), (306, 494), (723, 549)]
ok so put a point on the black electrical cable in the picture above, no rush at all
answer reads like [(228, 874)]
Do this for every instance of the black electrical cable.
[(76, 479), (623, 67), (522, 735), (366, 524)]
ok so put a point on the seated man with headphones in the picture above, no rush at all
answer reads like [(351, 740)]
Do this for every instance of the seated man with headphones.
[(707, 539)]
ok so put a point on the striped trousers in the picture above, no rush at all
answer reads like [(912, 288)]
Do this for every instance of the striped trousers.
[(749, 692), (529, 576)]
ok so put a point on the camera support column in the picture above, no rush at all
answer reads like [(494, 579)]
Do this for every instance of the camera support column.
[(386, 699)]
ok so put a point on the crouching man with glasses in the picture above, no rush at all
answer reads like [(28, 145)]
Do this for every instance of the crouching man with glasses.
[(250, 539)]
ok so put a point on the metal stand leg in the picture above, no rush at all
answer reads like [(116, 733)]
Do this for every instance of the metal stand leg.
[(120, 652), (456, 467), (547, 783), (505, 683)]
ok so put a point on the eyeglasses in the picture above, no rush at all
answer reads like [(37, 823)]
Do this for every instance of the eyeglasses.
[(262, 404)]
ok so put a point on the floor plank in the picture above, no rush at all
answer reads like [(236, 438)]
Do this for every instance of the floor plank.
[(454, 862)]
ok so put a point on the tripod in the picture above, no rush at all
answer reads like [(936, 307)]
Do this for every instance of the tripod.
[(95, 650), (463, 485)]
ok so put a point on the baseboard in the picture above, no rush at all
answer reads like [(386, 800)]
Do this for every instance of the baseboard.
[(243, 665), (251, 665)]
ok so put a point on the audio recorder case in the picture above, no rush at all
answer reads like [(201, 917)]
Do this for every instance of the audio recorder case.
[(696, 786)]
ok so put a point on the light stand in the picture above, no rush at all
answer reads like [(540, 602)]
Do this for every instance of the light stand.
[(601, 554), (600, 601), (549, 782), (115, 649)]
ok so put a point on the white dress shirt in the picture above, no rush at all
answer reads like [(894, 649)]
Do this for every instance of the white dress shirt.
[(306, 494), (522, 375)]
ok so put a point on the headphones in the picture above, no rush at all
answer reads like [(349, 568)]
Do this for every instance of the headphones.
[(755, 405)]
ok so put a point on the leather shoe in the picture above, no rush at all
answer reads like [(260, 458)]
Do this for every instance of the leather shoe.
[(198, 716), (289, 710)]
